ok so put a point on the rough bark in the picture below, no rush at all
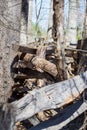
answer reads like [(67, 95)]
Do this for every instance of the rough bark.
[(58, 7), (45, 66), (58, 35), (41, 53), (9, 34), (24, 22), (29, 26), (38, 62)]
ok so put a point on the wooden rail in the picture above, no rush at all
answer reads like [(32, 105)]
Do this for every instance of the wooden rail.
[(49, 97), (64, 117)]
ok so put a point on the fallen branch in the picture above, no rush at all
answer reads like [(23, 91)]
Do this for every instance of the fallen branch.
[(45, 65), (38, 63)]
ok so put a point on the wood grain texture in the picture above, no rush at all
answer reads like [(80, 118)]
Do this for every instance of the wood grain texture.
[(26, 49), (45, 65), (63, 118), (49, 97)]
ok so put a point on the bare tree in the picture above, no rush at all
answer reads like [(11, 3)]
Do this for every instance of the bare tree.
[(38, 12), (58, 20), (50, 20), (58, 34), (24, 22), (29, 26), (72, 22)]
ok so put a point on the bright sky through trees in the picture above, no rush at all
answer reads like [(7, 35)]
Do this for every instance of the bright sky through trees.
[(44, 14)]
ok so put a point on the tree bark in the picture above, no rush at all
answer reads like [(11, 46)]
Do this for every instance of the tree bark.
[(24, 22), (50, 21), (72, 23), (41, 53), (58, 35), (45, 66), (29, 26), (9, 34), (38, 63)]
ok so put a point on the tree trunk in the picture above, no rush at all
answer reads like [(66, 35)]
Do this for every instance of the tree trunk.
[(72, 23), (24, 22), (58, 7), (82, 44), (9, 34), (58, 35), (50, 21), (29, 26)]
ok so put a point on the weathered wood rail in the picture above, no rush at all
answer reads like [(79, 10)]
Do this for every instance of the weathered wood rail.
[(26, 49), (63, 118), (49, 97)]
